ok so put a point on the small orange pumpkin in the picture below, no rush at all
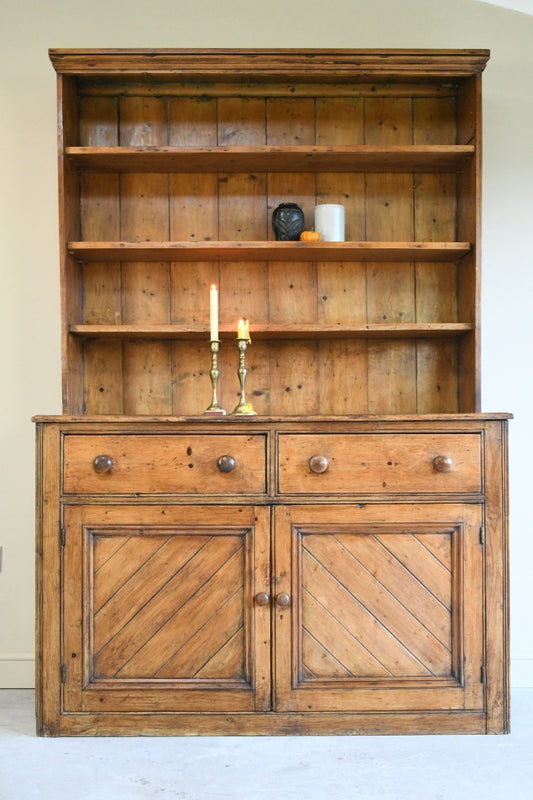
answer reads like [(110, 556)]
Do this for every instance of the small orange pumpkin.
[(310, 236)]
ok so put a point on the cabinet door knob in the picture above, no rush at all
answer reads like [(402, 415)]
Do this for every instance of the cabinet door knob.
[(226, 463), (318, 464), (443, 463), (262, 599), (283, 600), (103, 464)]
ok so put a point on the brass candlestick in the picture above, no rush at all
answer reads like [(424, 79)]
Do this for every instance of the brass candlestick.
[(243, 408), (214, 410)]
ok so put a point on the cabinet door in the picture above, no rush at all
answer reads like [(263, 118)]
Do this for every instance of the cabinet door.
[(159, 608), (383, 607)]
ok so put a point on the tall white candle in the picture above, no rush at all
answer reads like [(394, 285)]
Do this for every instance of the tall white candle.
[(329, 222), (213, 313)]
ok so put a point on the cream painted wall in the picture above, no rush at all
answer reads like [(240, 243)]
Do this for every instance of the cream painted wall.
[(29, 295)]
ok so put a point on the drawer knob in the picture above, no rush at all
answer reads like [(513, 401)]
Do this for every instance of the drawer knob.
[(318, 464), (226, 463), (103, 464), (283, 600), (443, 463), (262, 599)]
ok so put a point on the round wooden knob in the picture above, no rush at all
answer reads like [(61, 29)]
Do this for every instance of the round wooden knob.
[(443, 464), (103, 464), (318, 464), (262, 599), (283, 600), (226, 463)]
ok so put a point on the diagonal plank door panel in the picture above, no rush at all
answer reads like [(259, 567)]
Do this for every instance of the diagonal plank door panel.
[(370, 594), (164, 562), (167, 608), (186, 620), (378, 611), (132, 644)]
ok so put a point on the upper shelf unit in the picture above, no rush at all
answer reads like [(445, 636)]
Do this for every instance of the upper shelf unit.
[(171, 163)]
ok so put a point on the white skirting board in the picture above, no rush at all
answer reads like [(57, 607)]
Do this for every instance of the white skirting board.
[(17, 671)]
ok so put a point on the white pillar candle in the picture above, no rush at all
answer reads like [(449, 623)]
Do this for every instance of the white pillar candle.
[(241, 330), (213, 313), (329, 222)]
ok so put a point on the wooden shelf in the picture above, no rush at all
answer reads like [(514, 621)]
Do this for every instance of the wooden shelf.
[(411, 330), (269, 251), (357, 158)]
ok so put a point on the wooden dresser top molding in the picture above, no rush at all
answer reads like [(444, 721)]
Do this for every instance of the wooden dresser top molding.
[(274, 63)]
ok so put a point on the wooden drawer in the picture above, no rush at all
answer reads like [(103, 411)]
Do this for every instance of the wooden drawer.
[(388, 462), (164, 464)]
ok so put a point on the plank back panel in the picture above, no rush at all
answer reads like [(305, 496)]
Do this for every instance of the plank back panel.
[(369, 376)]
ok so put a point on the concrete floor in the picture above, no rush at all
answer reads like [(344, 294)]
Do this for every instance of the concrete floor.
[(264, 768)]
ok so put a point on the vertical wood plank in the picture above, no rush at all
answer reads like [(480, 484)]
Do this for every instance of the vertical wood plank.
[(241, 121), (145, 287), (390, 293), (290, 120), (144, 197), (437, 387), (390, 288), (342, 287), (341, 291), (147, 377), (292, 292), (191, 386), (244, 292), (242, 196), (145, 293), (391, 377), (193, 197), (343, 365), (102, 283), (190, 293), (102, 295), (193, 207), (436, 292), (389, 197), (242, 207), (294, 378), (292, 287), (343, 376), (340, 121), (436, 284), (104, 390), (192, 121)]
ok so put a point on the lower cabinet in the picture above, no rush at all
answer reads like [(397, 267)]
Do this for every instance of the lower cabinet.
[(248, 612), (173, 613)]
